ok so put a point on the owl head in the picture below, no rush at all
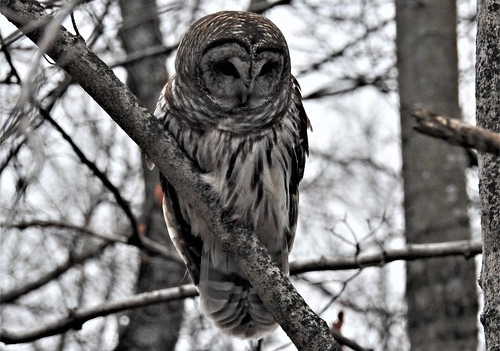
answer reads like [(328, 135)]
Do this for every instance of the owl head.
[(238, 61)]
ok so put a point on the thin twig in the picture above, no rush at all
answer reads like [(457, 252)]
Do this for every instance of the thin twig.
[(12, 295), (124, 205), (410, 252), (148, 244), (143, 54), (66, 226)]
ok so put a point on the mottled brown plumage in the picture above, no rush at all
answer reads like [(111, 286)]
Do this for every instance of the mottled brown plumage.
[(235, 109)]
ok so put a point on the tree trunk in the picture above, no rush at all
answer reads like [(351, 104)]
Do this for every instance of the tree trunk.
[(155, 327), (488, 116), (440, 293)]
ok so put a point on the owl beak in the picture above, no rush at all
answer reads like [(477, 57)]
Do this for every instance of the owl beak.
[(246, 91), (244, 96)]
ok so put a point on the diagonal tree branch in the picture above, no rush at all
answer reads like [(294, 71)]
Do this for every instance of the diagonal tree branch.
[(456, 132), (146, 243), (348, 342), (306, 330), (73, 260), (134, 239)]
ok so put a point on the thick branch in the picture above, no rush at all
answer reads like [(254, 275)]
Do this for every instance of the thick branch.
[(457, 133), (306, 330)]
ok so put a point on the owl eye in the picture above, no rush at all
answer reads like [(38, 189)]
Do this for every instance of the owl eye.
[(227, 69), (268, 67)]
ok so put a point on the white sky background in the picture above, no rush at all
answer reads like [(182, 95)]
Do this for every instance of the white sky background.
[(338, 131)]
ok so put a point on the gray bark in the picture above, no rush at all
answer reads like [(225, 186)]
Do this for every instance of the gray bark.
[(488, 116), (152, 327), (440, 293)]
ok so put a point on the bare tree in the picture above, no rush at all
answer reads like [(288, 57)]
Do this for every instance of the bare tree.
[(441, 297)]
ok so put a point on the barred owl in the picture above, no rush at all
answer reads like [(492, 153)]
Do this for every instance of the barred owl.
[(236, 111)]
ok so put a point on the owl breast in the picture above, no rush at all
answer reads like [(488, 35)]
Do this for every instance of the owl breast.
[(249, 173)]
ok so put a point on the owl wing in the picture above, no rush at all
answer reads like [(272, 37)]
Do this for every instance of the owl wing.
[(188, 245), (299, 153)]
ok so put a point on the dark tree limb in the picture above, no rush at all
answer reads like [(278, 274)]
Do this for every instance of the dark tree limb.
[(141, 39), (457, 133), (342, 340), (261, 6), (306, 330)]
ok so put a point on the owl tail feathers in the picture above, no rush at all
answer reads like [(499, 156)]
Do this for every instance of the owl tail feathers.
[(234, 306)]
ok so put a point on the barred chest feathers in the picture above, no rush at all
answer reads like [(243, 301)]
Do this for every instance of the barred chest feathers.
[(250, 173)]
